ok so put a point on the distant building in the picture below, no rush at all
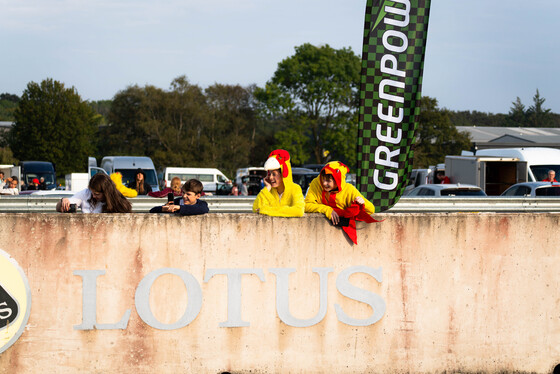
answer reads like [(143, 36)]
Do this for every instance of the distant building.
[(512, 137), (5, 126)]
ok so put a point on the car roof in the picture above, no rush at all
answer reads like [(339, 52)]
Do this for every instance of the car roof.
[(303, 171), (449, 186), (537, 184)]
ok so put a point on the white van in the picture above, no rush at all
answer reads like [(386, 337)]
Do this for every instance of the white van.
[(539, 160), (127, 166), (213, 180)]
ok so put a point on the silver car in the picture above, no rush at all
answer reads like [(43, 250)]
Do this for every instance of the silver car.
[(446, 190), (533, 189)]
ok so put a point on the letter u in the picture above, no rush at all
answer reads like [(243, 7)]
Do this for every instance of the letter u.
[(283, 298)]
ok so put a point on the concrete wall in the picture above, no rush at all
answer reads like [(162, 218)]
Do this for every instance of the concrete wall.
[(463, 292)]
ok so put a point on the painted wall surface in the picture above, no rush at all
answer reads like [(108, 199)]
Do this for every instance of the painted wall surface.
[(463, 292)]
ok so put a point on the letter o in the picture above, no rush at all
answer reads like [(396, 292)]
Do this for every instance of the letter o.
[(397, 34), (142, 299)]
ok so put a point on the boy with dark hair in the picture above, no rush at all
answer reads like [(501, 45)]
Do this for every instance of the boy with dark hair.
[(189, 205)]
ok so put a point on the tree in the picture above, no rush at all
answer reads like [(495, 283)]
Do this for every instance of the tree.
[(164, 125), (313, 96), (537, 116), (436, 135), (101, 107), (232, 128), (175, 121), (8, 104), (185, 125), (517, 115), (123, 134), (52, 123)]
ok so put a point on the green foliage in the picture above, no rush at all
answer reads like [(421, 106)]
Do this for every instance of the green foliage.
[(436, 135), (232, 131), (52, 123), (7, 157), (518, 116), (8, 104), (476, 118), (185, 125), (537, 115), (313, 96), (102, 108)]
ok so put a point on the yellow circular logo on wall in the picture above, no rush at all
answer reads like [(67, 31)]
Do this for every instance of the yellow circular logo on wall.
[(15, 301)]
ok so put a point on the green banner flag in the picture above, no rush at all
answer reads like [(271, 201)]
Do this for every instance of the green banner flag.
[(391, 80)]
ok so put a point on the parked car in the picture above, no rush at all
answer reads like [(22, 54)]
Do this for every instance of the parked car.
[(446, 190), (314, 167), (303, 177), (533, 189)]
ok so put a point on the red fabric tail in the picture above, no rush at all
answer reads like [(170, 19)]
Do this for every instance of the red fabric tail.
[(355, 212)]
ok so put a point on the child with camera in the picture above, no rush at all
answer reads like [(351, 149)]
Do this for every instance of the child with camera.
[(101, 196)]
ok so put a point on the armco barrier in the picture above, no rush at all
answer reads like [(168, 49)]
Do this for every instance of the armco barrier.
[(243, 293), (231, 204)]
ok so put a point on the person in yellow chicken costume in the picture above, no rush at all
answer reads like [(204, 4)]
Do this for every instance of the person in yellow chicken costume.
[(127, 192), (280, 197), (339, 201)]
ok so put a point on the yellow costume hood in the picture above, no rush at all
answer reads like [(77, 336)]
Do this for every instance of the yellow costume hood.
[(280, 159), (338, 170)]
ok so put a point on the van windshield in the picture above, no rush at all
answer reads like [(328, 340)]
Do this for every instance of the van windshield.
[(48, 176), (541, 171), (128, 176)]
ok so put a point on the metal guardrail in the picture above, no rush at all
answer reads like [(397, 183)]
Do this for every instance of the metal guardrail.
[(234, 204)]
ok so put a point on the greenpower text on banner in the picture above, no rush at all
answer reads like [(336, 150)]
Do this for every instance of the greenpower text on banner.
[(391, 80)]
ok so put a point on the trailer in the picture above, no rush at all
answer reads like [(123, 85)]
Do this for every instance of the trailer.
[(76, 181), (492, 174)]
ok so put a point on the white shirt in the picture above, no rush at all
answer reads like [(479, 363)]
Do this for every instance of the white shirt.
[(9, 191), (81, 200)]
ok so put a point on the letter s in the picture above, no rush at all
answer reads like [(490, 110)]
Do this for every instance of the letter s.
[(5, 310), (375, 301)]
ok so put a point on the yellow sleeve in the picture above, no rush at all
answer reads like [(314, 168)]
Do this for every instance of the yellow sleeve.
[(263, 200), (294, 207), (314, 199), (368, 206)]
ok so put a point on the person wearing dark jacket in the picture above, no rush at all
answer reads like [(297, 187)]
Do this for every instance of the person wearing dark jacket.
[(139, 183), (189, 205)]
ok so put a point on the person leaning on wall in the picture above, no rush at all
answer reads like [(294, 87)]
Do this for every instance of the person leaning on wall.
[(280, 197), (101, 196), (11, 187)]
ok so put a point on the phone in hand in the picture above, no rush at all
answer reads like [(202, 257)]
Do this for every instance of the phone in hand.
[(170, 197), (343, 222)]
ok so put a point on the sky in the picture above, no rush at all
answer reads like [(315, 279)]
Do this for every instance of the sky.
[(481, 54)]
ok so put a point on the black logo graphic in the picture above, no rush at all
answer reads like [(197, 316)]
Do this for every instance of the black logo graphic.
[(9, 309)]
